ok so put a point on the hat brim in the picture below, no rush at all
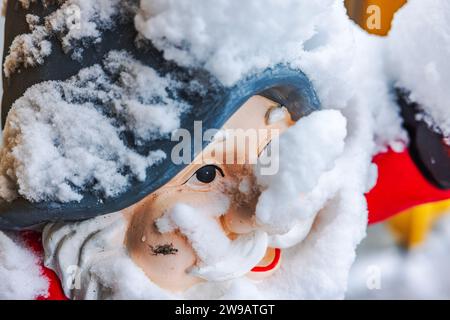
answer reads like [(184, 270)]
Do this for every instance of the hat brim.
[(281, 83)]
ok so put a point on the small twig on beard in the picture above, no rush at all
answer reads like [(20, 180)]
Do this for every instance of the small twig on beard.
[(164, 249)]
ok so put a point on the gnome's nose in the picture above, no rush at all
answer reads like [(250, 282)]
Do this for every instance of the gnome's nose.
[(240, 220)]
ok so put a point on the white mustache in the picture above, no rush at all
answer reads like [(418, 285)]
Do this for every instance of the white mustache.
[(221, 259)]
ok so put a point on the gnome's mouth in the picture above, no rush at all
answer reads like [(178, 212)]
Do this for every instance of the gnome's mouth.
[(270, 262)]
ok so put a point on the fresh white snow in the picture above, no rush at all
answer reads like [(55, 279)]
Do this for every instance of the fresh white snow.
[(62, 136), (229, 259), (317, 142), (20, 273), (418, 51), (74, 21)]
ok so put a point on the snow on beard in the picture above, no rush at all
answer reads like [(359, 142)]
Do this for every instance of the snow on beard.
[(92, 262), (306, 151), (220, 258)]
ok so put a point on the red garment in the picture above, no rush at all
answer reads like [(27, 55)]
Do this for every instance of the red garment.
[(400, 186), (34, 241)]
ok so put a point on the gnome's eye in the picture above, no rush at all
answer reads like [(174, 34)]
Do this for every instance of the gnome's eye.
[(208, 174)]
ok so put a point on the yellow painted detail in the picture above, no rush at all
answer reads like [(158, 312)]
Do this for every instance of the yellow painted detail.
[(366, 12), (411, 227)]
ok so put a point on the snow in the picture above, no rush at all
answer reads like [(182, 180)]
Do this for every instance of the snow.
[(200, 33), (229, 259), (317, 266), (27, 50), (299, 172), (72, 22), (374, 87), (20, 274), (45, 158), (92, 263), (423, 67), (277, 114)]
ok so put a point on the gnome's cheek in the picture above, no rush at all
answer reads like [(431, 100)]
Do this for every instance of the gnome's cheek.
[(164, 257)]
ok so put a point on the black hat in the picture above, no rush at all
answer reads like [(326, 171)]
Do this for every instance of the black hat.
[(427, 147)]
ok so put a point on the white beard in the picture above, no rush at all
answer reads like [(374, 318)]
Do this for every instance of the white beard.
[(90, 259), (91, 262)]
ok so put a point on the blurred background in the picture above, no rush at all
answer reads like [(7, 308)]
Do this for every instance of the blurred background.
[(406, 257)]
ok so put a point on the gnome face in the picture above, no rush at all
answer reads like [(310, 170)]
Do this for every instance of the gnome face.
[(218, 187), (204, 230)]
